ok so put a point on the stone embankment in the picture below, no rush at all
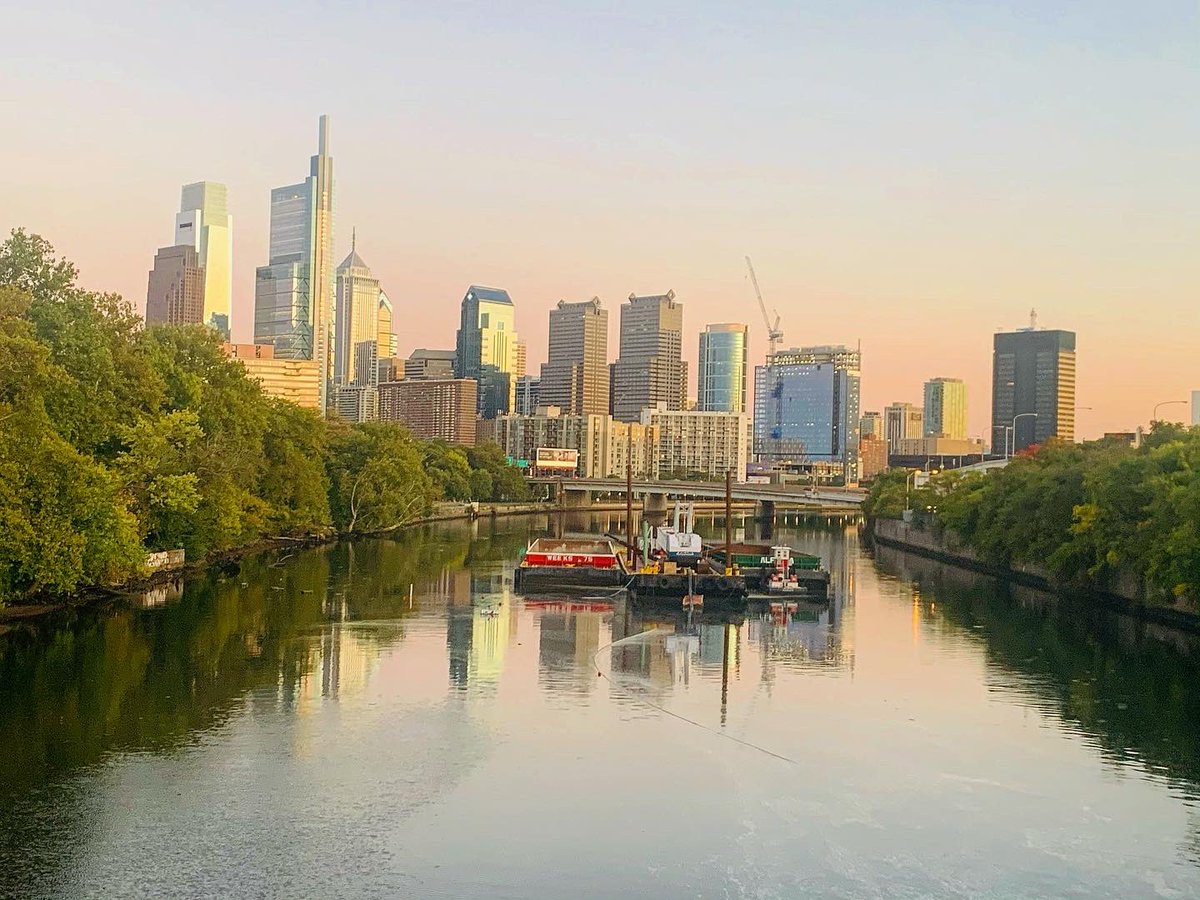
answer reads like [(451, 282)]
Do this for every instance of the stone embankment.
[(1126, 592)]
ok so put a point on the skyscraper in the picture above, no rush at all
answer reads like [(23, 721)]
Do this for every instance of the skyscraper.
[(204, 224), (293, 295), (575, 374), (388, 344), (175, 288), (945, 408), (1033, 388), (902, 422), (806, 410), (721, 373), (486, 348), (357, 316), (649, 369)]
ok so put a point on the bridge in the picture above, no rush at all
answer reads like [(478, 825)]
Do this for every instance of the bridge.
[(655, 493)]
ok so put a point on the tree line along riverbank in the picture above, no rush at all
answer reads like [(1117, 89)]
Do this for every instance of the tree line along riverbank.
[(117, 440), (1101, 516)]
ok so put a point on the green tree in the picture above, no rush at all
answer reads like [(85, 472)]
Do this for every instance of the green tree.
[(376, 478)]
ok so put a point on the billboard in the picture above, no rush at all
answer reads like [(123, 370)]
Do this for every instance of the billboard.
[(557, 458)]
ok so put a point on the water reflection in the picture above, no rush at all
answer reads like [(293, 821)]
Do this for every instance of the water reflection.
[(427, 725)]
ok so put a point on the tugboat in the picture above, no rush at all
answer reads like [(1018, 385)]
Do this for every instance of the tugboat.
[(783, 581)]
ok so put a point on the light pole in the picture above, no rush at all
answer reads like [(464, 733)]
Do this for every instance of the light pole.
[(1154, 415), (911, 477), (1013, 428)]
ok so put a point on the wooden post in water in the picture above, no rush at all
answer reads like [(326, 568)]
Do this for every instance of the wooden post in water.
[(728, 521), (630, 553)]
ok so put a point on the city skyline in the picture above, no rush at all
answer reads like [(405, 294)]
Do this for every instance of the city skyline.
[(930, 210)]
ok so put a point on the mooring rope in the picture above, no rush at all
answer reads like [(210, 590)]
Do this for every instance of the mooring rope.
[(674, 715)]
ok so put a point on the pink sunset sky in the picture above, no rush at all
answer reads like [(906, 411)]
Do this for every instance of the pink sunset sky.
[(909, 175)]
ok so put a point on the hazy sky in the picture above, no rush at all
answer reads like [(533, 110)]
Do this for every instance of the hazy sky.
[(911, 175)]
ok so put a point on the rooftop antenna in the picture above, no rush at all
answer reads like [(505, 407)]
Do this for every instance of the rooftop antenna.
[(1033, 320)]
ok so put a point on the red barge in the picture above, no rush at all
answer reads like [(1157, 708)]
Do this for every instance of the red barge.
[(570, 563)]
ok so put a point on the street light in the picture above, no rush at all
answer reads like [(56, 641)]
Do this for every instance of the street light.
[(1013, 428), (1154, 415)]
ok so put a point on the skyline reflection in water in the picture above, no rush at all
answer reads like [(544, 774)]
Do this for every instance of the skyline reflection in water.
[(391, 717)]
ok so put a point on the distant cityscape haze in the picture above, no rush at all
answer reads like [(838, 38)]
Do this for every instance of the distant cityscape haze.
[(912, 177)]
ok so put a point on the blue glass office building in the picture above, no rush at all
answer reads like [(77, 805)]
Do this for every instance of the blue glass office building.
[(806, 411), (721, 379)]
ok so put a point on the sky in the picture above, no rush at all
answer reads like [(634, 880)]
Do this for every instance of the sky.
[(908, 175)]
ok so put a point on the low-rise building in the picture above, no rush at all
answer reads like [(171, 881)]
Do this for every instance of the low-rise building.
[(432, 408), (296, 380), (700, 444)]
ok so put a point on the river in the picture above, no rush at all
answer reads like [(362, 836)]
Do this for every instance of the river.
[(388, 719)]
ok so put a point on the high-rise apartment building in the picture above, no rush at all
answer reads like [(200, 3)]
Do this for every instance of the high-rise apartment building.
[(529, 395), (871, 424), (424, 363), (175, 288), (721, 372), (486, 348), (945, 409), (357, 314), (806, 411), (649, 370), (432, 409), (522, 363), (705, 444), (1196, 407), (294, 292), (575, 374), (1033, 388), (873, 456), (204, 224), (606, 447), (902, 422)]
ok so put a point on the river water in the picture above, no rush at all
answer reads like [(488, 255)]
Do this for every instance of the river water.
[(305, 724)]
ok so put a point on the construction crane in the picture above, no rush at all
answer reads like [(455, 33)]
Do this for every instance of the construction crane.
[(774, 335)]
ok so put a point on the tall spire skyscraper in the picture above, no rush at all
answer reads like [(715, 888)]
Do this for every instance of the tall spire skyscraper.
[(356, 317), (293, 295)]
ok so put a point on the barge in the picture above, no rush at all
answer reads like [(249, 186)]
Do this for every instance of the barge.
[(574, 564), (774, 570)]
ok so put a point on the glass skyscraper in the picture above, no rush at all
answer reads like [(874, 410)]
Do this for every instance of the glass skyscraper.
[(486, 348), (204, 224), (293, 293), (721, 376), (806, 410)]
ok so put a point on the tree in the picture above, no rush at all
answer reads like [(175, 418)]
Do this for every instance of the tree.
[(63, 522), (377, 481)]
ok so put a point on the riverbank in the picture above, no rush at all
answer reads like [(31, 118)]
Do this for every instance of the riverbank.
[(447, 511), (1126, 595)]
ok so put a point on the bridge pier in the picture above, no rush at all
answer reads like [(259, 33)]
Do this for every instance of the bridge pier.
[(576, 499), (654, 508), (766, 510)]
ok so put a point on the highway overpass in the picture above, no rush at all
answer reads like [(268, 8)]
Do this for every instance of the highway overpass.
[(777, 494)]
